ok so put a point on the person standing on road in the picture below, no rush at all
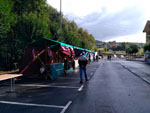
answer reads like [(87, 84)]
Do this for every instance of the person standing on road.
[(65, 65), (82, 65), (73, 63), (89, 58), (97, 58)]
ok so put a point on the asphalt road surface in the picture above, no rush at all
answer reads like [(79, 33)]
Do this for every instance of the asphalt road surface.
[(115, 86), (115, 89)]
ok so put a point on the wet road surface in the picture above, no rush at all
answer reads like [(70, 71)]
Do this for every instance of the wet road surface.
[(114, 87), (37, 95)]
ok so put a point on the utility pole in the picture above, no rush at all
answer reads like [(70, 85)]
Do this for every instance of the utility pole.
[(60, 15)]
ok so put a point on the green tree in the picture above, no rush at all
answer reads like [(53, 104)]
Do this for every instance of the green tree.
[(147, 47), (128, 50), (124, 46), (73, 27), (37, 7), (72, 38), (56, 32), (24, 21), (53, 15), (7, 18), (132, 49), (30, 27), (105, 48)]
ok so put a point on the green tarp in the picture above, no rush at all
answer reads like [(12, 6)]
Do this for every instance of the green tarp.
[(53, 43)]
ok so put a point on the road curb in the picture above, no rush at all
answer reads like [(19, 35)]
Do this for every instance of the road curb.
[(144, 79), (135, 60)]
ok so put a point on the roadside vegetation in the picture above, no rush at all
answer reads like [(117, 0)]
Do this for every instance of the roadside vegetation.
[(147, 47), (121, 48), (25, 21)]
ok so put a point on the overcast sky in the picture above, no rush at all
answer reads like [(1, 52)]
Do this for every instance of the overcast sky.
[(108, 20)]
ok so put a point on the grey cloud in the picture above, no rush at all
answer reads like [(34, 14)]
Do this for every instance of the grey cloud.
[(105, 26)]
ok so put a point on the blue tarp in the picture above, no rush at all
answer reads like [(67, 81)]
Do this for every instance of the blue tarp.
[(56, 69)]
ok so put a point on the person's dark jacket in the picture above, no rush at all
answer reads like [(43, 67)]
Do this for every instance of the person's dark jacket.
[(66, 64), (82, 61)]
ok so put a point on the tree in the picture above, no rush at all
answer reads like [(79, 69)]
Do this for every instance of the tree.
[(72, 39), (105, 48), (24, 21), (128, 50), (6, 18), (37, 7), (29, 27), (73, 27), (147, 47), (53, 15), (56, 32), (124, 45), (132, 49)]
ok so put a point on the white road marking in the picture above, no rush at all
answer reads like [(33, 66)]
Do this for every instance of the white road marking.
[(66, 107), (64, 83), (30, 104), (37, 85), (81, 88), (66, 87), (68, 78)]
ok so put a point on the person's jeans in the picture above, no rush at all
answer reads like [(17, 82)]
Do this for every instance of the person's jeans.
[(83, 69)]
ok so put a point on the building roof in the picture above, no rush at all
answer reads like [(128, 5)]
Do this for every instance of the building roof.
[(147, 26)]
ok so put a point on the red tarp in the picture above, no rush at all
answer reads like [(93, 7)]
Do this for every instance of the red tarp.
[(68, 50)]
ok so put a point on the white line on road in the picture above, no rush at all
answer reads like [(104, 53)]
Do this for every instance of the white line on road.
[(66, 107), (30, 104), (66, 87), (68, 83), (68, 78), (81, 88), (38, 85)]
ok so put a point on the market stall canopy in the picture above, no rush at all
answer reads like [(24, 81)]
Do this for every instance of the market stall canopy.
[(66, 48), (44, 42)]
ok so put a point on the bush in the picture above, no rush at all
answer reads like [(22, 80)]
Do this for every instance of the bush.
[(147, 47)]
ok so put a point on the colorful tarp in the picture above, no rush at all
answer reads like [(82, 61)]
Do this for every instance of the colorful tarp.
[(68, 50)]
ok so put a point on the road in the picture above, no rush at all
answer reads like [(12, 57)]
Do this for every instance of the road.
[(115, 89), (115, 86)]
